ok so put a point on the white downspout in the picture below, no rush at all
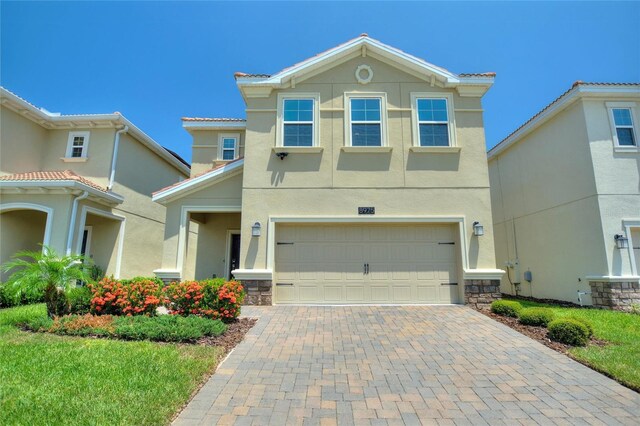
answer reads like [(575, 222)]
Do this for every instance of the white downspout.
[(114, 160), (72, 224)]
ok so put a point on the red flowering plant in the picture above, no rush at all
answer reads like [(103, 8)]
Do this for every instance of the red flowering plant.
[(214, 298), (140, 296)]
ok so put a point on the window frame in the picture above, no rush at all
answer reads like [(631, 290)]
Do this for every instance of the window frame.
[(384, 119), (315, 125), (451, 121), (85, 145), (631, 106), (222, 149)]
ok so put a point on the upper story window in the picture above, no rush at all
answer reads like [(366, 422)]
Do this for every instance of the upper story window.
[(228, 146), (433, 120), (366, 116), (298, 115), (624, 126), (77, 145), (621, 118)]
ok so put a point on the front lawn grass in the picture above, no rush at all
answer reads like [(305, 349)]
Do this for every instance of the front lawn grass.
[(48, 379), (619, 359)]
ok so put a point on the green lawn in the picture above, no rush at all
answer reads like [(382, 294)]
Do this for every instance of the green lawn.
[(619, 359), (48, 379)]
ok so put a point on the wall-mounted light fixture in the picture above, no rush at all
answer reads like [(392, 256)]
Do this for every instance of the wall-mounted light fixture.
[(478, 229), (281, 155), (256, 229), (622, 242)]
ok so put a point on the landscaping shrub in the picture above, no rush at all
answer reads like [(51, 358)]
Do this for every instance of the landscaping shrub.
[(209, 298), (142, 279), (506, 308), (584, 322), (10, 297), (56, 301), (569, 331), (132, 297), (167, 328), (538, 317), (83, 325), (79, 300)]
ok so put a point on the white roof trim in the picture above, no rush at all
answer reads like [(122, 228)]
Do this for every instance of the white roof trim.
[(376, 47), (109, 196), (559, 105), (193, 183), (38, 115), (212, 125)]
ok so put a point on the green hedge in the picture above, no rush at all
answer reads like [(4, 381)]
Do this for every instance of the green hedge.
[(538, 317), (506, 308), (569, 331)]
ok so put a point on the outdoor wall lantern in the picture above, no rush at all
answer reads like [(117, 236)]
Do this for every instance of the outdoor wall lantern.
[(256, 229), (622, 242), (478, 229)]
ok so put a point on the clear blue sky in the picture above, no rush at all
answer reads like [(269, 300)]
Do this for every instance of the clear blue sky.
[(158, 61)]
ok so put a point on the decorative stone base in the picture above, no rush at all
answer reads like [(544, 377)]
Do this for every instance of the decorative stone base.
[(480, 293), (614, 295), (258, 292)]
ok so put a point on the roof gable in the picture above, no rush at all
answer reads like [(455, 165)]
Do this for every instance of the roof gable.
[(260, 85)]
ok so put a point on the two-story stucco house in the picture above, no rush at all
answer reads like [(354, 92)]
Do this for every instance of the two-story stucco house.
[(82, 184), (565, 192), (356, 177)]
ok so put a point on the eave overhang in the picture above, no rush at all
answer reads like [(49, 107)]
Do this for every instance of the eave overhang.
[(70, 187)]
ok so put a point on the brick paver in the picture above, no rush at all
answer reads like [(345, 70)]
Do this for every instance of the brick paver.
[(401, 365)]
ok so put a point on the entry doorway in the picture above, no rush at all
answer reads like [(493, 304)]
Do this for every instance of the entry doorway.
[(85, 247), (233, 252)]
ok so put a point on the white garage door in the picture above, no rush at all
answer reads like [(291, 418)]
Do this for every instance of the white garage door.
[(340, 264)]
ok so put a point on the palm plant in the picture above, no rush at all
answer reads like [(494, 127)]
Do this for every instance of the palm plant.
[(35, 272)]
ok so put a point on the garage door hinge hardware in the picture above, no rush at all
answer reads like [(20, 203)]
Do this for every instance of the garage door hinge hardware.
[(284, 244), (448, 283), (284, 283), (448, 243)]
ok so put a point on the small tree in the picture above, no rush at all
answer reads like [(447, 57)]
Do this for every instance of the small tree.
[(35, 272)]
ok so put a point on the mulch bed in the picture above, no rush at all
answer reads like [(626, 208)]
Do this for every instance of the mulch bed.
[(230, 338), (536, 333)]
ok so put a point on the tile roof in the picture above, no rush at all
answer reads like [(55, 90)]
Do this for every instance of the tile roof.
[(52, 175), (215, 119), (556, 100), (243, 74), (219, 166), (477, 74)]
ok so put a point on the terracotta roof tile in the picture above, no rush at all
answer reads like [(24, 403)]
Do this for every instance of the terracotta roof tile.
[(239, 74), (478, 74), (573, 86), (52, 175), (215, 119), (219, 166)]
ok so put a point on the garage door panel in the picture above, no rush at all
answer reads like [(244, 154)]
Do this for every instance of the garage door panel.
[(407, 264)]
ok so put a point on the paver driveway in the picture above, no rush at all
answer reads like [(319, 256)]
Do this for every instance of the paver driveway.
[(401, 365)]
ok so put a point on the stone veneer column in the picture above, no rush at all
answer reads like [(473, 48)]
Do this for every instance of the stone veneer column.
[(259, 292), (618, 295), (480, 293)]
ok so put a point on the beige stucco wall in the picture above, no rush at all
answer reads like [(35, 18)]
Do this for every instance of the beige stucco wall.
[(565, 191), (20, 138), (205, 152), (225, 194), (20, 230), (336, 183)]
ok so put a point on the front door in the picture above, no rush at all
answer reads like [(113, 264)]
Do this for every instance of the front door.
[(234, 254)]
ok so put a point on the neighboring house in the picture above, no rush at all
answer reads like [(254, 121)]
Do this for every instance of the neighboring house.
[(356, 177), (82, 184), (565, 194)]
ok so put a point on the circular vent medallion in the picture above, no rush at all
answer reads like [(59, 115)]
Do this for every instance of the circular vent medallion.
[(364, 74)]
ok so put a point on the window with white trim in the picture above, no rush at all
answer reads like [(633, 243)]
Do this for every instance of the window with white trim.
[(365, 119), (228, 146), (433, 121), (298, 122), (623, 123), (77, 144)]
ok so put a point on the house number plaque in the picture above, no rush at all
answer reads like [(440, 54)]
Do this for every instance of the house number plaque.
[(366, 210)]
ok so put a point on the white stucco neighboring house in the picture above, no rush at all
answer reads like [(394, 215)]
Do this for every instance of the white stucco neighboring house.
[(565, 195)]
